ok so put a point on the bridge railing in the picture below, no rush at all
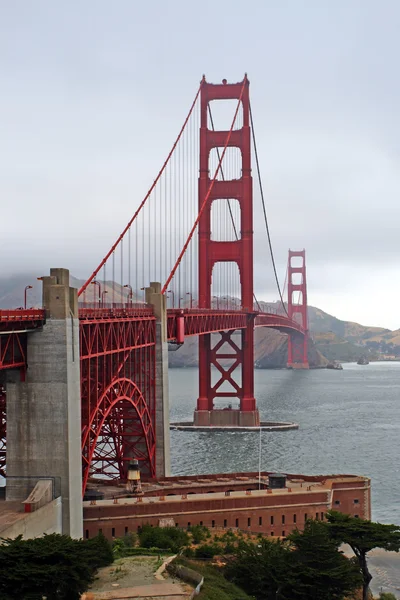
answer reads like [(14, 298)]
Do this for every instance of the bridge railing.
[(17, 315), (115, 311)]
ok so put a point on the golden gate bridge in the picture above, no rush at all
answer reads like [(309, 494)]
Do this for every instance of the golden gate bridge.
[(189, 242)]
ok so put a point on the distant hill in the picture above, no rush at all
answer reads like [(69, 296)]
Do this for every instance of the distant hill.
[(347, 341), (330, 338)]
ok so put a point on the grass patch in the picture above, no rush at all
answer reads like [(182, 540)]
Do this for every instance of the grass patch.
[(215, 586)]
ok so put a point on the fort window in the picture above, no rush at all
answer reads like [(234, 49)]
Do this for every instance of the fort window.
[(283, 533), (356, 501), (316, 516), (322, 516), (294, 518), (305, 517), (248, 522), (272, 520), (225, 523), (272, 533), (113, 532), (212, 523), (337, 502), (237, 523), (188, 524), (356, 516), (260, 520), (201, 523), (87, 534), (283, 519), (176, 524), (126, 530)]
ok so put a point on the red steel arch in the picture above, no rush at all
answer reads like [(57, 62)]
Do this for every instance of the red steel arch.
[(117, 355), (122, 432)]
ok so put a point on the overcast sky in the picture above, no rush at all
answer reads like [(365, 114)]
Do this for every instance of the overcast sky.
[(93, 92)]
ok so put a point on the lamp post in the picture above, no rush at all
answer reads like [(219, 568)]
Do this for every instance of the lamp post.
[(27, 287), (217, 298), (173, 297), (191, 298), (102, 297), (130, 293), (97, 283)]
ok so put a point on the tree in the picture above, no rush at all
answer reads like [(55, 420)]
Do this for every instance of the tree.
[(317, 568), (362, 536), (260, 569), (55, 566)]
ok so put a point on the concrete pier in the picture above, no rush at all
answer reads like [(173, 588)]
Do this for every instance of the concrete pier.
[(226, 418), (158, 301), (44, 412)]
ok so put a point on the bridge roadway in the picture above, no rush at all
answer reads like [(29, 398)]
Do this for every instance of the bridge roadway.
[(16, 324)]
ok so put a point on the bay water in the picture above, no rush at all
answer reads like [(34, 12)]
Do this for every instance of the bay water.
[(349, 422)]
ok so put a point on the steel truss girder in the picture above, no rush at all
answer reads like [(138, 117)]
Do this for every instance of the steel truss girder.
[(118, 395), (13, 351)]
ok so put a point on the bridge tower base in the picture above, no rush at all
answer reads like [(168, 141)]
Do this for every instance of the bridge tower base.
[(226, 418), (158, 301), (44, 411), (297, 283)]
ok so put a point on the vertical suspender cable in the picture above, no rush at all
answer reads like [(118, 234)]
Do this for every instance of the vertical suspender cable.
[(264, 209)]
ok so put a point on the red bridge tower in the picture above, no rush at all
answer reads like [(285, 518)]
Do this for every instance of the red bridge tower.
[(297, 282), (232, 361)]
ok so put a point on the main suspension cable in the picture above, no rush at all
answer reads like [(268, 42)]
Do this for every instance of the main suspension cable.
[(265, 211), (143, 203)]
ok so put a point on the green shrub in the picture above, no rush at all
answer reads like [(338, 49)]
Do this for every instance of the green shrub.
[(199, 533), (207, 551), (97, 551), (230, 548), (121, 545), (386, 596), (168, 538)]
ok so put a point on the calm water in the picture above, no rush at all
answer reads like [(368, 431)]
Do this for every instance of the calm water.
[(349, 423)]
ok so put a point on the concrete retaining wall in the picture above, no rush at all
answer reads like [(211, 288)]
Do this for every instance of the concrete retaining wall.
[(47, 519)]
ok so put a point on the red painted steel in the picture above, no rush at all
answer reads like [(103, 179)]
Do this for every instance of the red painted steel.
[(239, 251), (117, 353), (14, 326), (202, 322), (298, 344)]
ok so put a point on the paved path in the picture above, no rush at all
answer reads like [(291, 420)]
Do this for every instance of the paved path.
[(134, 577), (168, 591)]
